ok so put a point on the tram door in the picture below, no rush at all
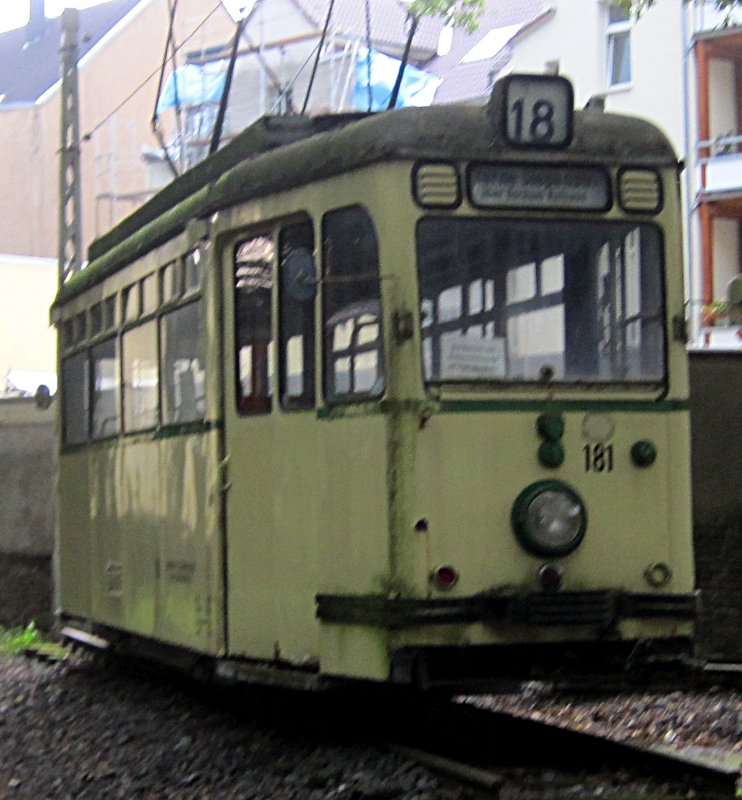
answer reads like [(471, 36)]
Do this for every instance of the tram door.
[(270, 430)]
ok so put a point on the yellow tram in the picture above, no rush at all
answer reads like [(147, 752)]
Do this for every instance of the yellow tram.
[(396, 396)]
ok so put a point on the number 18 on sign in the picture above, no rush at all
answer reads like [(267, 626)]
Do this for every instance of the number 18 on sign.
[(538, 110)]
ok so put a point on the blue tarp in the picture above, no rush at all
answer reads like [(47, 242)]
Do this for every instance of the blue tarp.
[(196, 84), (417, 89)]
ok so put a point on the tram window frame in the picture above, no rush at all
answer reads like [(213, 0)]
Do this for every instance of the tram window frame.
[(110, 321), (254, 384), (627, 342), (150, 295), (75, 385), (97, 433), (124, 318), (173, 407), (345, 303), (67, 331), (96, 319), (170, 282), (131, 299), (193, 271), (142, 338), (81, 327), (296, 317)]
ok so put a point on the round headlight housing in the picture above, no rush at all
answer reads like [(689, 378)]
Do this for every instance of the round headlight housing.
[(549, 518)]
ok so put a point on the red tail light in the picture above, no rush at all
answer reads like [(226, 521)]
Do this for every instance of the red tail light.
[(444, 577)]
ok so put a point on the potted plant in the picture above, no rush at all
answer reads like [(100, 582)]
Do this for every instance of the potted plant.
[(715, 314)]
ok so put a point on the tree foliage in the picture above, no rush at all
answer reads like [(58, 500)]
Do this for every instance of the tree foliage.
[(458, 14)]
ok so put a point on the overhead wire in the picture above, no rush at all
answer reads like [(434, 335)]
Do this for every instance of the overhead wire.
[(272, 76), (403, 63), (171, 39), (368, 56), (289, 85), (316, 60), (216, 135), (105, 119), (155, 122)]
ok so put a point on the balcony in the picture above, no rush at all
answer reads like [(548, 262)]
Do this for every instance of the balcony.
[(720, 160)]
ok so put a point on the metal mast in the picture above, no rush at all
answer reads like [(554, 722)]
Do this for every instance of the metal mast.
[(70, 223)]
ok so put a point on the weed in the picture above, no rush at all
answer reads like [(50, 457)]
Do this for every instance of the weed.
[(16, 640)]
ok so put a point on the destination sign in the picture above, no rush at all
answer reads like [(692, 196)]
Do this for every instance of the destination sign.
[(536, 186)]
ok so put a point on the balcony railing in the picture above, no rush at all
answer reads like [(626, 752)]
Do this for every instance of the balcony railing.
[(720, 160)]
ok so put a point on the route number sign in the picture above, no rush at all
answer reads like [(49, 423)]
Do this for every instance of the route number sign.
[(539, 110)]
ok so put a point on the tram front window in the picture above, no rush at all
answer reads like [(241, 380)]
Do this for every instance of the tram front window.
[(516, 300)]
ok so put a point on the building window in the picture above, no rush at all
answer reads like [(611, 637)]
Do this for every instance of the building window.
[(618, 45)]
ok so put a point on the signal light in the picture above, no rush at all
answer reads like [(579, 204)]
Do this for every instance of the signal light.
[(444, 577)]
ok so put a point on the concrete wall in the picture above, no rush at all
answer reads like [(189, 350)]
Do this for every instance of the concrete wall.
[(27, 342), (716, 466), (28, 474)]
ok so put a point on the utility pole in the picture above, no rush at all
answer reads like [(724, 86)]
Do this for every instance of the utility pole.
[(70, 222)]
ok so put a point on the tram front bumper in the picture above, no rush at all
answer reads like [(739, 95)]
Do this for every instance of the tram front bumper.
[(599, 608)]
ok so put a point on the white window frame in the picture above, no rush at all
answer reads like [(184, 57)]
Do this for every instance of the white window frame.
[(612, 31)]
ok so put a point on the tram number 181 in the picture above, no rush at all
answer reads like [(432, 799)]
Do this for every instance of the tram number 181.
[(598, 457)]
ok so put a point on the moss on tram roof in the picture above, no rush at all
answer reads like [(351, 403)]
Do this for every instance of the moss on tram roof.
[(277, 154)]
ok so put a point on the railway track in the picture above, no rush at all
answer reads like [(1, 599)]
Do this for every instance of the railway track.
[(511, 757)]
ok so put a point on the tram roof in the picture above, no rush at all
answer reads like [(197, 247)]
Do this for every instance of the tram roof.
[(280, 153)]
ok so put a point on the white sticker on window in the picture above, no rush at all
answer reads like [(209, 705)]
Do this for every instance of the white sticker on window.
[(472, 359)]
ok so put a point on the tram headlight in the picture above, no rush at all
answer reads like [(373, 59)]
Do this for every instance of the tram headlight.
[(549, 518)]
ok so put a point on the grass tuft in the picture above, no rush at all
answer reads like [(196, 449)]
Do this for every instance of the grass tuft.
[(16, 640), (30, 640)]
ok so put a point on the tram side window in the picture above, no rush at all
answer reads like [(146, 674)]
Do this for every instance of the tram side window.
[(105, 366), (183, 365), (149, 294), (253, 278), (75, 398), (141, 380), (296, 316), (96, 319), (353, 358), (194, 271)]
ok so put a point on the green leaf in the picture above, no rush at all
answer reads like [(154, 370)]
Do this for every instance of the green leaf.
[(462, 14)]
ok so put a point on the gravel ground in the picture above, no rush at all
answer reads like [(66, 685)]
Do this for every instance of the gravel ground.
[(80, 730), (710, 719)]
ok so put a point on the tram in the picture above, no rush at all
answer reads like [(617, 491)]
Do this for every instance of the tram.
[(392, 397)]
